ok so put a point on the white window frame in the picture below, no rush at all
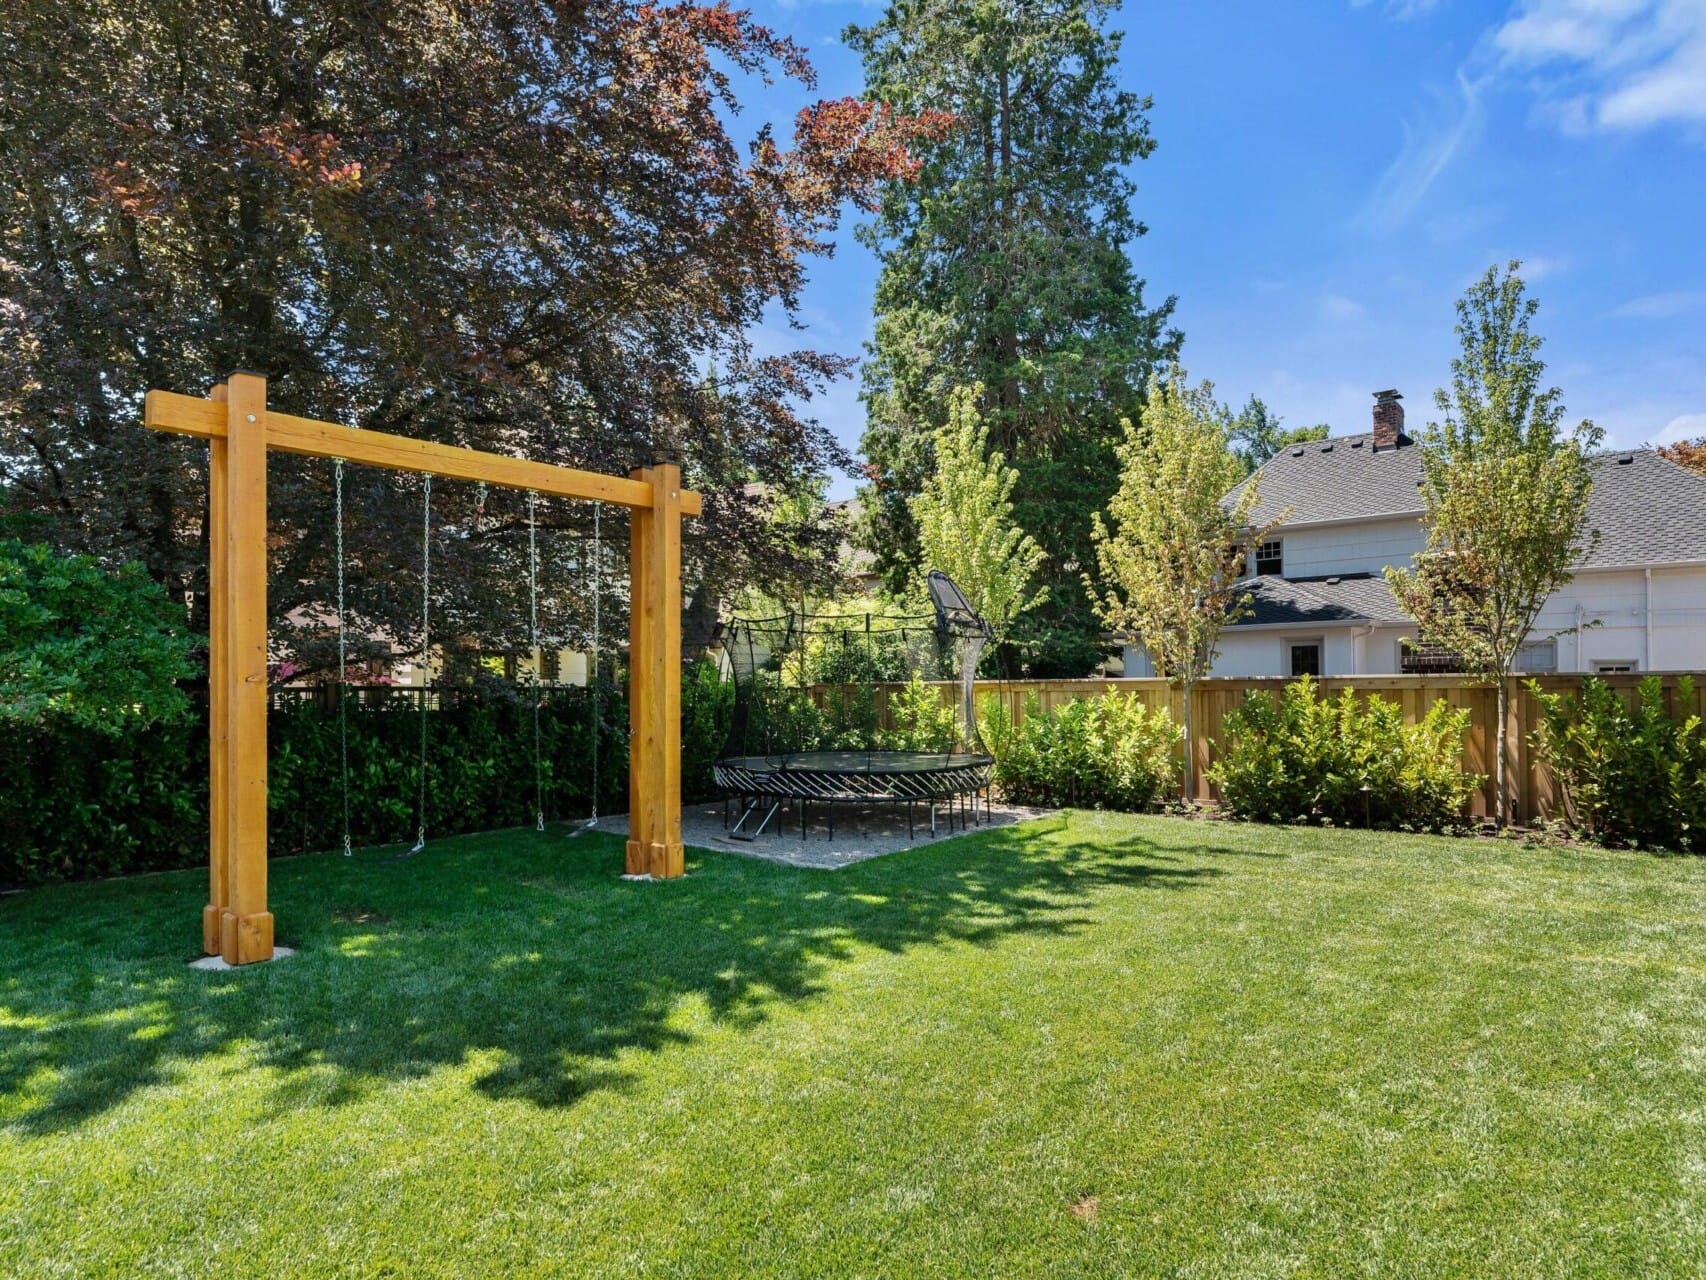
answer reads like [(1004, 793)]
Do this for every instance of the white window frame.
[(1291, 642), (1278, 544), (1615, 666), (1530, 647)]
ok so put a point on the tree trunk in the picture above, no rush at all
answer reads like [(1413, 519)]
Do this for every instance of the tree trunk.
[(1190, 782), (1501, 807)]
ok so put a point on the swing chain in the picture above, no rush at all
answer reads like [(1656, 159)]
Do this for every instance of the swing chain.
[(538, 654), (592, 663), (343, 650), (426, 653)]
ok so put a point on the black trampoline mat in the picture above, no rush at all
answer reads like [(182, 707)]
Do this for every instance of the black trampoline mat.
[(846, 763)]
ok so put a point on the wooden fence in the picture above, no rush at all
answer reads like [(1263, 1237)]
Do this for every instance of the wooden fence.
[(1532, 788)]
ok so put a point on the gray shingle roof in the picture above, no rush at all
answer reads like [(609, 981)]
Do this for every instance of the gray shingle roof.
[(1347, 601), (1647, 509), (1338, 479)]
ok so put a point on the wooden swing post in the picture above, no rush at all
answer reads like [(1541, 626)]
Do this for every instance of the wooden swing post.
[(239, 429)]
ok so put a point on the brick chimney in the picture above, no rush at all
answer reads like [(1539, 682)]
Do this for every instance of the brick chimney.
[(1388, 420)]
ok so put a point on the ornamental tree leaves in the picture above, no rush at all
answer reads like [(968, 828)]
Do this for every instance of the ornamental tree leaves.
[(1505, 495), (523, 225), (1173, 547), (965, 519)]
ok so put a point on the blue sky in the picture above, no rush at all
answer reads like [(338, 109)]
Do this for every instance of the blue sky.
[(1332, 173)]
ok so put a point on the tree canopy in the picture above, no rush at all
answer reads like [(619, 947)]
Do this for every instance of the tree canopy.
[(1505, 493), (1004, 264), (522, 225), (965, 519), (1172, 549), (1258, 433)]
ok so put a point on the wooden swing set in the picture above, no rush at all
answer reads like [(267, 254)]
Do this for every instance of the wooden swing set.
[(239, 429)]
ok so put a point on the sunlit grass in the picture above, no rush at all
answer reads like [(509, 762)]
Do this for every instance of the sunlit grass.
[(1093, 1045)]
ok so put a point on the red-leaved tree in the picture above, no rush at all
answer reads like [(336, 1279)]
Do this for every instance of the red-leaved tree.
[(518, 225)]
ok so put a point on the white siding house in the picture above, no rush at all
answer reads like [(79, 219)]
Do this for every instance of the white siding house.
[(1319, 605)]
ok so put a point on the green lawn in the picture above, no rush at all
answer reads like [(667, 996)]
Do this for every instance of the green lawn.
[(1093, 1045)]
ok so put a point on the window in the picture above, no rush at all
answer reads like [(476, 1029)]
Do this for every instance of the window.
[(550, 666), (1538, 655), (1305, 658), (1614, 667), (1270, 556)]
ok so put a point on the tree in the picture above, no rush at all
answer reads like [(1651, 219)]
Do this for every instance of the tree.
[(1173, 546), (1687, 453), (965, 519), (1504, 492), (1257, 434), (79, 643), (1004, 263), (521, 225)]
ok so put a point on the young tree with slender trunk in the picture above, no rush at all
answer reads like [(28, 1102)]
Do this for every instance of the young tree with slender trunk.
[(965, 519), (1505, 496), (1173, 547)]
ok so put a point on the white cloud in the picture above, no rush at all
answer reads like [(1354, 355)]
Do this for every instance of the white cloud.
[(1429, 148), (1659, 306), (1335, 306), (1611, 65), (1539, 266), (1687, 426)]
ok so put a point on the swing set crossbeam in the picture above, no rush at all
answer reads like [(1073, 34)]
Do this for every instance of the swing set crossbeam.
[(239, 429), (309, 437)]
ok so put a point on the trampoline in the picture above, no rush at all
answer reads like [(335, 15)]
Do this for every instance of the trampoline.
[(831, 778), (776, 754)]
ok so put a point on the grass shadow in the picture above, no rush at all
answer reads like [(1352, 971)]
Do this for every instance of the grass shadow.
[(519, 951)]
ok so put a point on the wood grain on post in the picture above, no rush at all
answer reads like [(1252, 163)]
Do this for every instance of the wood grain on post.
[(246, 927), (218, 667), (654, 742)]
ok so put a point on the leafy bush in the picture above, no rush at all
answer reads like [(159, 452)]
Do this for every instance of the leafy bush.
[(1630, 776), (1309, 758), (1106, 752), (919, 720), (84, 645), (81, 801)]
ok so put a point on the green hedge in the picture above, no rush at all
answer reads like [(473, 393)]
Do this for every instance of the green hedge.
[(1344, 760), (78, 803), (1109, 752), (1634, 776)]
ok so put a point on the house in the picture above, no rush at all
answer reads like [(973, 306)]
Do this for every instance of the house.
[(1318, 604)]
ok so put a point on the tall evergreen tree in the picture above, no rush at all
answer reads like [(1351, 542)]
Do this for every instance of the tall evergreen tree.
[(1004, 263)]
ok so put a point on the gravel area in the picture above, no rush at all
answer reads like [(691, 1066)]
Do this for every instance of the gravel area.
[(859, 833)]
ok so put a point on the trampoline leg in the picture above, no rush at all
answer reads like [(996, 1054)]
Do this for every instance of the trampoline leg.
[(910, 833)]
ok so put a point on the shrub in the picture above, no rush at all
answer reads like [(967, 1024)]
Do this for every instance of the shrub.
[(920, 720), (85, 646), (1309, 758), (1107, 752), (1629, 776), (82, 801)]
